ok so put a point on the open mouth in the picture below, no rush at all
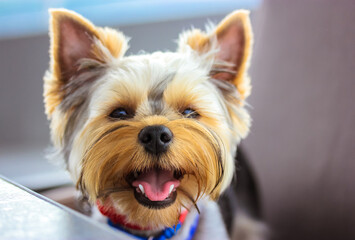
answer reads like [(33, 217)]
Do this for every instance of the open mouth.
[(155, 188)]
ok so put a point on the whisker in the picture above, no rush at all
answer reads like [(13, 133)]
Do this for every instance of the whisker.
[(111, 130), (106, 192), (190, 198), (216, 148), (218, 153), (79, 184), (221, 70)]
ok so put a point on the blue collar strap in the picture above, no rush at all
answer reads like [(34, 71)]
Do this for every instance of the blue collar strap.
[(166, 234)]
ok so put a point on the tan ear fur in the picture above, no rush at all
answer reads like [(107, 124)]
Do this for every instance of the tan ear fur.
[(204, 42), (107, 44), (241, 79)]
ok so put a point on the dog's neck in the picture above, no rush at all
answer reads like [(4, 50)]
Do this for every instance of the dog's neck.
[(119, 221)]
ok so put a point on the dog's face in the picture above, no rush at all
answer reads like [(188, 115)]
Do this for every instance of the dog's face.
[(148, 135)]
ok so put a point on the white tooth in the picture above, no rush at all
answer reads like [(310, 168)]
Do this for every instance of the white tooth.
[(171, 188), (141, 188)]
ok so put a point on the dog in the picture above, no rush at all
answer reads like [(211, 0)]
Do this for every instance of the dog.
[(150, 139)]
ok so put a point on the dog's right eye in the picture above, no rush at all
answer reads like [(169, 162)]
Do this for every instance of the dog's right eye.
[(120, 113), (190, 113)]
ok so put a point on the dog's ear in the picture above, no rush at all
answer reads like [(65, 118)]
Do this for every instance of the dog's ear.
[(233, 39), (77, 45)]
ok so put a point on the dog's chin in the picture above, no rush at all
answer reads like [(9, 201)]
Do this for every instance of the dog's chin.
[(154, 199), (152, 215)]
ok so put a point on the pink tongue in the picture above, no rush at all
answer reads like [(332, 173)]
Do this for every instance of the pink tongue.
[(157, 183)]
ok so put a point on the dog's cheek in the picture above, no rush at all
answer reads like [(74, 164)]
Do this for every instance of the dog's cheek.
[(106, 155)]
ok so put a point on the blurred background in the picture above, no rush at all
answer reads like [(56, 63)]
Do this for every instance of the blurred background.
[(302, 142)]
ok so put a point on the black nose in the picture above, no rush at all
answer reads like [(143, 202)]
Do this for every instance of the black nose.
[(155, 138)]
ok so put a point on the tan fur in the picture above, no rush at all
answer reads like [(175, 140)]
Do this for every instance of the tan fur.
[(110, 170), (100, 151), (206, 41), (115, 42), (242, 80)]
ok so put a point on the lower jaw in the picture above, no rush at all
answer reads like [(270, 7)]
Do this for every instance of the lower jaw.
[(155, 204), (107, 209)]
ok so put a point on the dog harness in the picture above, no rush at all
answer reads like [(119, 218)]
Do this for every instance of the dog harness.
[(119, 222)]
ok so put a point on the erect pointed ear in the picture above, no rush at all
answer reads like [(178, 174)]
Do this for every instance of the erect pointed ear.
[(234, 40), (74, 40)]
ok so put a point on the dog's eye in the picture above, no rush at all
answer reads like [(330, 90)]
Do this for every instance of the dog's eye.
[(190, 113), (120, 113)]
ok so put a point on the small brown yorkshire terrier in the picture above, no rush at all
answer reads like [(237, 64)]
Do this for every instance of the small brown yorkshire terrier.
[(150, 139)]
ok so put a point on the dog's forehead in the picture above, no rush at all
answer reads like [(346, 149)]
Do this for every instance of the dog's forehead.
[(148, 80), (161, 66), (152, 74)]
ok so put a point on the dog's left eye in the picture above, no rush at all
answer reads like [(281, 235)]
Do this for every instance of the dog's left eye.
[(119, 113), (190, 113)]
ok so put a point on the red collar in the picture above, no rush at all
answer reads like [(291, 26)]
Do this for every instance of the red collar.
[(121, 219)]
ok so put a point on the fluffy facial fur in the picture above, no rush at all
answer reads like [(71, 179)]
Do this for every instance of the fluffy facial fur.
[(90, 77)]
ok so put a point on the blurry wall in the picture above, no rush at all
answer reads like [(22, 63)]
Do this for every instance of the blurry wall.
[(302, 141)]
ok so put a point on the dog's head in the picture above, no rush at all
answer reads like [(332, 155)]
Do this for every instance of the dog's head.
[(150, 134)]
